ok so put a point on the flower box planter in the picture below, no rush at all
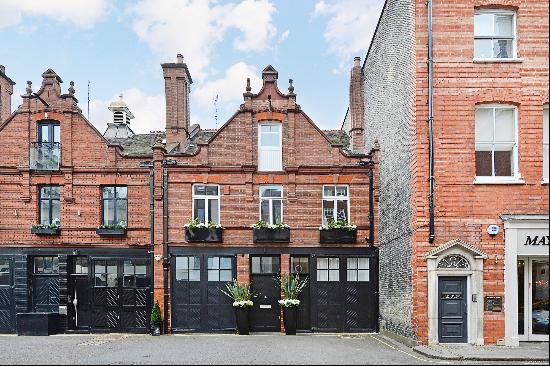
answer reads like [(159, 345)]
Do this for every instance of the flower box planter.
[(338, 236), (46, 230), (202, 234), (111, 232), (290, 319), (267, 235)]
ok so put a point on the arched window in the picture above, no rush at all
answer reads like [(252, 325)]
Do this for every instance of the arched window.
[(454, 261)]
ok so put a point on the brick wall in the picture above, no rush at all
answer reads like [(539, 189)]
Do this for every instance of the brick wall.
[(389, 117)]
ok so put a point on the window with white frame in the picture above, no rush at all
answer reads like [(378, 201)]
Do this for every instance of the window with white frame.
[(206, 203), (271, 204), (545, 131), (335, 203), (270, 156), (496, 141), (494, 34)]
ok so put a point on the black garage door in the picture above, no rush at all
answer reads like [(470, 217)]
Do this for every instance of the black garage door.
[(198, 303), (344, 294), (7, 308)]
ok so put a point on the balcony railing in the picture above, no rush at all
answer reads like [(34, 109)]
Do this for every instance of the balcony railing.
[(45, 155)]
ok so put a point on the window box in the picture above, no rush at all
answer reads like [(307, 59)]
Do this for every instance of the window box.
[(267, 235), (111, 232), (203, 234), (338, 236), (46, 230)]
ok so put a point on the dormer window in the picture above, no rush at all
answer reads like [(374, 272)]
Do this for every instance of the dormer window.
[(270, 156)]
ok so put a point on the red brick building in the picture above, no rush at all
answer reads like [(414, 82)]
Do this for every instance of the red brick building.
[(456, 94), (108, 212)]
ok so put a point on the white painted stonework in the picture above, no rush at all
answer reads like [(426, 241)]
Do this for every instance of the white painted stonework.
[(474, 275)]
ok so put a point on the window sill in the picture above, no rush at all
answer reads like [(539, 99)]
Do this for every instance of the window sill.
[(481, 180), (497, 60), (544, 182)]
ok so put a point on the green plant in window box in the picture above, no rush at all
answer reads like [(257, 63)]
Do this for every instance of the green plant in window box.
[(118, 226), (338, 224), (156, 320), (56, 223), (261, 224), (197, 224)]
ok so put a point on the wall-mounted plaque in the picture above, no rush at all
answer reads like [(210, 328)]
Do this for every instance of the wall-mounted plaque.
[(493, 303)]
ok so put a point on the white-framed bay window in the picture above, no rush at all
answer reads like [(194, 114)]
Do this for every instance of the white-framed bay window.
[(496, 142), (545, 131), (495, 34), (206, 203), (270, 147), (271, 204), (336, 203)]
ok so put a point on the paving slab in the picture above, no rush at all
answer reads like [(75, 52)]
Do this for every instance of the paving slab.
[(528, 351)]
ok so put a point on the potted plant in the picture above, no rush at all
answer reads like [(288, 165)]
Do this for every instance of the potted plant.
[(118, 229), (196, 231), (156, 320), (262, 232), (47, 229), (338, 231), (291, 287), (242, 302)]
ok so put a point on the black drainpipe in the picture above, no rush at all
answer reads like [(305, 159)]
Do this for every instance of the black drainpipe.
[(371, 202), (166, 260), (149, 164), (430, 122)]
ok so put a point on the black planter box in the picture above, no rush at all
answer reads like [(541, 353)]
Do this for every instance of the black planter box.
[(202, 234), (266, 235), (45, 231), (242, 318), (37, 324), (111, 232), (290, 319), (338, 236)]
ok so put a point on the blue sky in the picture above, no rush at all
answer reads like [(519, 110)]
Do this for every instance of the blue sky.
[(119, 45)]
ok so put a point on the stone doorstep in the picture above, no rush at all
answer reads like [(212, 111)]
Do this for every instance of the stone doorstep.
[(481, 353)]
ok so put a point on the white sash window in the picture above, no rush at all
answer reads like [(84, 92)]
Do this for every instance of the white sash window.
[(270, 156)]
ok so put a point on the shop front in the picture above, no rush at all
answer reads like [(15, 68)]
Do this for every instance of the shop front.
[(526, 278)]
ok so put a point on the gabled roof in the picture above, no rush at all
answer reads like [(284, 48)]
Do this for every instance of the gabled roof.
[(457, 242)]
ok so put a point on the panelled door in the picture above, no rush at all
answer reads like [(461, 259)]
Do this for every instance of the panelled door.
[(45, 284), (198, 303), (299, 265), (79, 306), (453, 311), (265, 314), (120, 295), (344, 294), (7, 306)]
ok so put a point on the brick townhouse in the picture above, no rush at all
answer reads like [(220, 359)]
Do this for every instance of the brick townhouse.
[(456, 96), (102, 199)]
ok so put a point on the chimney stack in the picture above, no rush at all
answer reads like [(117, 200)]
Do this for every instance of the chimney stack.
[(357, 107), (177, 85), (6, 90)]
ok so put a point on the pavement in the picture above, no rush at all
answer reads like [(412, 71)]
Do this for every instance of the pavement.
[(527, 351), (272, 348)]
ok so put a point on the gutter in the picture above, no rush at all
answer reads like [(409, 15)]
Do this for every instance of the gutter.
[(431, 178)]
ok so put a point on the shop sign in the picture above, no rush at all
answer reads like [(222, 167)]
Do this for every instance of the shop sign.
[(533, 242)]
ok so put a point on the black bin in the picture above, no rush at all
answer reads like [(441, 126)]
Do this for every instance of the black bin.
[(37, 324)]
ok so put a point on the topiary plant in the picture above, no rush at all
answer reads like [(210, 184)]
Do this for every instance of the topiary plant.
[(155, 314)]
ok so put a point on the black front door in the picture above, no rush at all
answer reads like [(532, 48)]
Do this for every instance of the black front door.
[(299, 266), (453, 311), (265, 315), (79, 306), (7, 306)]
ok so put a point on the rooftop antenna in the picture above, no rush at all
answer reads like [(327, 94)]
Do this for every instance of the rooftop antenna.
[(216, 110), (88, 100)]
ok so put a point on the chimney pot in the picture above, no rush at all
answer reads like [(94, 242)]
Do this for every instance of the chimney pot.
[(179, 58), (357, 61)]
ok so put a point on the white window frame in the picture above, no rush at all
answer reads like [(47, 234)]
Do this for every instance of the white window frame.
[(545, 179), (335, 200), (515, 178), (206, 198), (279, 149), (514, 35), (271, 199)]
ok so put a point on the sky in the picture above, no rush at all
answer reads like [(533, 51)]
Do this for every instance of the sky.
[(118, 46)]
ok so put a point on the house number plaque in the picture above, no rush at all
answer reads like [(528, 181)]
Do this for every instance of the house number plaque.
[(493, 303)]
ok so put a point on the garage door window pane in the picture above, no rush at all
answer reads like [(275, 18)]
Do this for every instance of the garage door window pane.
[(328, 269), (4, 272), (299, 265), (358, 269), (220, 269), (188, 269)]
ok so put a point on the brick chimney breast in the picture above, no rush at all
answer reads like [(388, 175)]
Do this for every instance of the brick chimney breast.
[(357, 107), (6, 90), (177, 85)]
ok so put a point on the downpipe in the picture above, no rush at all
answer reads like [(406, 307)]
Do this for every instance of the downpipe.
[(166, 260), (431, 178)]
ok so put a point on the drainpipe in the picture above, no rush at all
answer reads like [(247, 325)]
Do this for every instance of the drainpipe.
[(166, 260), (430, 123), (371, 203), (149, 164)]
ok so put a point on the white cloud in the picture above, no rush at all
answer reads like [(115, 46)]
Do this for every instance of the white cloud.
[(148, 110), (350, 27), (195, 27), (80, 13), (284, 36), (229, 88)]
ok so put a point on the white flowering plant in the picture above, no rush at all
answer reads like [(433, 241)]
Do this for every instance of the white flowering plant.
[(291, 287), (197, 224), (261, 224), (337, 224), (239, 292), (54, 225)]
